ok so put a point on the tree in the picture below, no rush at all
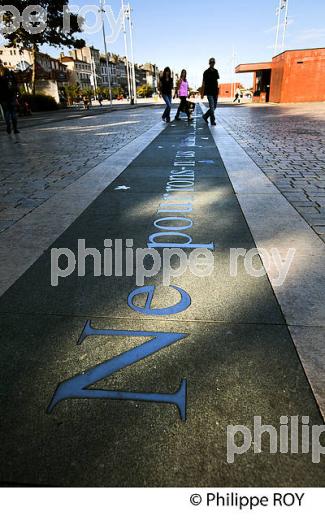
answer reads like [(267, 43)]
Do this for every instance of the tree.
[(42, 27), (72, 92), (145, 91), (117, 92), (87, 92)]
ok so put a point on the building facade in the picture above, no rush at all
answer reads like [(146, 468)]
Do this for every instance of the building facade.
[(118, 73), (19, 59), (117, 69), (85, 67), (79, 72), (51, 74), (15, 58), (152, 75), (228, 90), (108, 74), (291, 77), (91, 56)]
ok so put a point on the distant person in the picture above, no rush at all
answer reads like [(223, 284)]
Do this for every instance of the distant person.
[(210, 88), (166, 85), (100, 100), (86, 102), (183, 91), (8, 99), (237, 96)]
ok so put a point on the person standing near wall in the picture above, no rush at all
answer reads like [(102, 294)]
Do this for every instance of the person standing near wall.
[(210, 88)]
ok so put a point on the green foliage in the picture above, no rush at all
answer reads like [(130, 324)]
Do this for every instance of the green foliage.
[(117, 92), (53, 33), (103, 91), (145, 91), (40, 102), (88, 92), (72, 92)]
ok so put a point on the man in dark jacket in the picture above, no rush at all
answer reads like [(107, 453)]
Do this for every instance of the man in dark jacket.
[(210, 88), (8, 98)]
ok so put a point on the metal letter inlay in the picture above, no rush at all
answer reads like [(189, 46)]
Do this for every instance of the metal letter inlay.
[(78, 386)]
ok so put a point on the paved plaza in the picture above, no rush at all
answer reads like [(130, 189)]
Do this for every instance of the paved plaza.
[(47, 157), (287, 143), (106, 385)]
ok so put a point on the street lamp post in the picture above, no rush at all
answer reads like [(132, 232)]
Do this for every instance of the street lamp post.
[(283, 4), (126, 53), (285, 24), (276, 46), (93, 75), (102, 10), (132, 54)]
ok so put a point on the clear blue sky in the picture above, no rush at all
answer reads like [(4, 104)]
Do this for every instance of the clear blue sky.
[(186, 34)]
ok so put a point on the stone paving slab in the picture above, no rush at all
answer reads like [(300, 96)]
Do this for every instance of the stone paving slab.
[(234, 370)]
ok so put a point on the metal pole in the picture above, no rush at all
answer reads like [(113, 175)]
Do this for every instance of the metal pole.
[(276, 46), (102, 9), (285, 25), (93, 72), (126, 51), (132, 54)]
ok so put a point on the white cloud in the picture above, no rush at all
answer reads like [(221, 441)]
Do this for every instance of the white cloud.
[(312, 34)]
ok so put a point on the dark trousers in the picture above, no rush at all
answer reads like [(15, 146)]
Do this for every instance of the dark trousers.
[(183, 107), (10, 113), (213, 101), (168, 100)]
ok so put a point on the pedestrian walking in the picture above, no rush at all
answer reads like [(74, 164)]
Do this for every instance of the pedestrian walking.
[(86, 102), (8, 99), (237, 96), (183, 91), (210, 88), (165, 88)]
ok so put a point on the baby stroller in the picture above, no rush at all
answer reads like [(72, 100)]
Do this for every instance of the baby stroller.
[(23, 107)]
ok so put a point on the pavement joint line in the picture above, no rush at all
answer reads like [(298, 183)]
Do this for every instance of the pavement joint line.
[(140, 319), (267, 213), (18, 242)]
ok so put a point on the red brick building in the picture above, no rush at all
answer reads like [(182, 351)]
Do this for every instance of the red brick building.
[(291, 77), (228, 90)]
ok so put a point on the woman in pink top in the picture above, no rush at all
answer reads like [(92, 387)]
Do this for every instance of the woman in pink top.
[(183, 92)]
